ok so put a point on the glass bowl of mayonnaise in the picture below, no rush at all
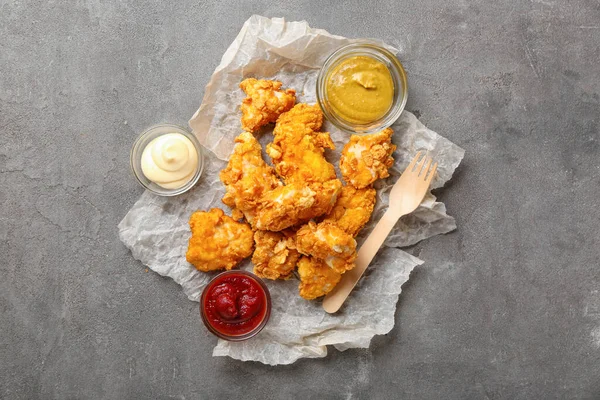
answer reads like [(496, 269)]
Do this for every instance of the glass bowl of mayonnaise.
[(167, 159), (362, 88)]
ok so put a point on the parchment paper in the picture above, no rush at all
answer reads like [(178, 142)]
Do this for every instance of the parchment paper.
[(156, 228)]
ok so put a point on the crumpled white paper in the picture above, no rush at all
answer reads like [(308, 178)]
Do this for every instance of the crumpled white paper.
[(156, 228)]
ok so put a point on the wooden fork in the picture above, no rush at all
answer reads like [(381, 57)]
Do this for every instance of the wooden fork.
[(406, 195)]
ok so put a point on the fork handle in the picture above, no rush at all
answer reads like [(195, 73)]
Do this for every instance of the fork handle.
[(334, 299)]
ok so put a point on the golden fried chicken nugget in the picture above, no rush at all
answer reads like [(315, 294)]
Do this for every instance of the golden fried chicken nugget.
[(295, 203), (316, 278), (326, 241), (275, 255), (353, 209), (366, 158), (310, 116), (218, 241), (297, 148), (247, 177), (264, 103), (326, 195)]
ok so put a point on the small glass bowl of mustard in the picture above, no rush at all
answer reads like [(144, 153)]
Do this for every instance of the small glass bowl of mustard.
[(362, 88), (167, 160)]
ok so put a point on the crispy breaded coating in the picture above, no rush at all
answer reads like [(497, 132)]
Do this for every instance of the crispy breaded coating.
[(311, 185), (247, 177), (353, 209), (316, 278), (297, 148), (218, 241), (295, 203), (366, 158), (326, 241), (309, 116), (275, 255), (264, 103)]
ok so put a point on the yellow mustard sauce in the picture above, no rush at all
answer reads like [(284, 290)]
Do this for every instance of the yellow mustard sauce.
[(360, 89)]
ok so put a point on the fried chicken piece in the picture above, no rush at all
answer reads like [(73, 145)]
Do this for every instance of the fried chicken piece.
[(275, 255), (297, 148), (353, 209), (326, 241), (218, 241), (264, 103), (309, 116), (311, 185), (316, 278), (247, 177), (366, 158), (295, 203)]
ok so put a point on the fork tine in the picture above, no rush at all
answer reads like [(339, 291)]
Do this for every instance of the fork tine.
[(413, 162), (425, 168), (420, 165), (431, 174)]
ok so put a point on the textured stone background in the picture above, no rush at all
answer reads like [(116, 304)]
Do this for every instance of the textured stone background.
[(507, 307)]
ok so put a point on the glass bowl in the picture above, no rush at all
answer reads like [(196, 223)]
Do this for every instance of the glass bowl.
[(244, 336), (380, 54), (136, 158)]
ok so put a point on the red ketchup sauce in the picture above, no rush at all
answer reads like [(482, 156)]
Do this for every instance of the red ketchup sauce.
[(235, 305)]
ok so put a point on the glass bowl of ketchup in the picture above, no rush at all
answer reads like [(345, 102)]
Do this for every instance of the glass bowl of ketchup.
[(235, 305)]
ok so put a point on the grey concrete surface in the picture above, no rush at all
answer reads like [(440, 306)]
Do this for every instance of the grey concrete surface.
[(507, 307)]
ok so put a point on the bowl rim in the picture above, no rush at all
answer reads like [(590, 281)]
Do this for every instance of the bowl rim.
[(395, 110), (247, 335), (136, 152)]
